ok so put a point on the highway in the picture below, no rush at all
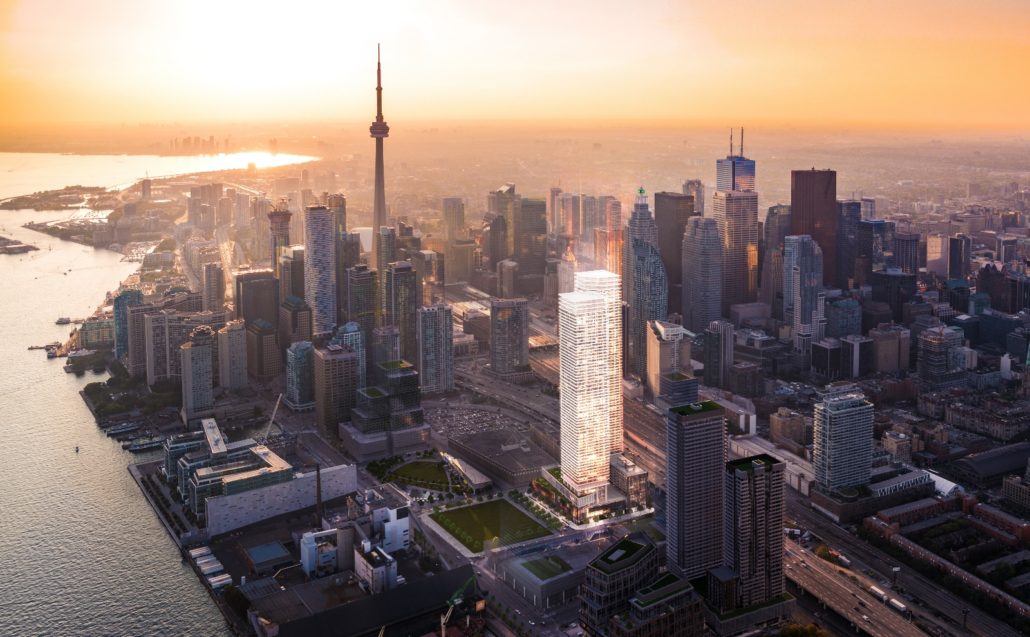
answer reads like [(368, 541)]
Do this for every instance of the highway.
[(832, 585), (925, 590)]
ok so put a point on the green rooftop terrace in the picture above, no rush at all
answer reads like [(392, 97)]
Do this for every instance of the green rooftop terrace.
[(395, 365), (619, 554), (695, 408)]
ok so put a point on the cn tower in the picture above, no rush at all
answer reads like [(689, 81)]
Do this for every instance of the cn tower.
[(379, 130)]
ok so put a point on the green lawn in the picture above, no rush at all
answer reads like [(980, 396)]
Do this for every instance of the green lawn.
[(473, 525), (421, 471), (545, 568)]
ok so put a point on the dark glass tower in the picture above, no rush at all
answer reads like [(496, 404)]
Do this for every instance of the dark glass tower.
[(813, 211)]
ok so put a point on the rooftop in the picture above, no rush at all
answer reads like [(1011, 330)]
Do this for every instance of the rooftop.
[(623, 553), (748, 464), (695, 408)]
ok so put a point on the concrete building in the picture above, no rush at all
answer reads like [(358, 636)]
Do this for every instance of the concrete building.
[(232, 356), (610, 580), (214, 287), (936, 360), (256, 296), (320, 268), (435, 328), (294, 321), (388, 419), (718, 353), (667, 607), (336, 384), (696, 456), (362, 305), (702, 264), (375, 568), (454, 218), (663, 353), (197, 372), (291, 272), (400, 304), (164, 332), (122, 303), (842, 438), (891, 348), (753, 528), (351, 336)]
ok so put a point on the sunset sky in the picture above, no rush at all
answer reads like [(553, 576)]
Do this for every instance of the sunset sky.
[(809, 63)]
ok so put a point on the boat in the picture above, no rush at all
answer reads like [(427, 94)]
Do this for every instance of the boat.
[(76, 450), (138, 445), (64, 320), (51, 353), (122, 429)]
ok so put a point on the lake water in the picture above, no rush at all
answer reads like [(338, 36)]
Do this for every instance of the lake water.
[(81, 552)]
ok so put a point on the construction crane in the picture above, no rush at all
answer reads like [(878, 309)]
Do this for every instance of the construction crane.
[(453, 601), (271, 420)]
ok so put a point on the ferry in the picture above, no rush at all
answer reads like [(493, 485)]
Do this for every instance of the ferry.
[(122, 429), (64, 320), (139, 445)]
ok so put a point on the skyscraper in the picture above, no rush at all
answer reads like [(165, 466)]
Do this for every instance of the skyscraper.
[(960, 250), (497, 244), (362, 295), (351, 336), (736, 212), (671, 212), (696, 189), (802, 287), (257, 296), (813, 211), (379, 131), (435, 348), (608, 285), (718, 355), (650, 301), (641, 229), (291, 272), (336, 381), (849, 216), (454, 218), (279, 228), (776, 227), (509, 336), (531, 239), (300, 376), (320, 268), (400, 302), (906, 251), (197, 372), (843, 438), (736, 172), (702, 274), (214, 287), (663, 353), (938, 367), (695, 441), (122, 303), (753, 528), (294, 321), (232, 356), (585, 392), (504, 202)]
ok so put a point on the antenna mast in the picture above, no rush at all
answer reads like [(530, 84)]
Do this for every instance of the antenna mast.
[(741, 141), (731, 142)]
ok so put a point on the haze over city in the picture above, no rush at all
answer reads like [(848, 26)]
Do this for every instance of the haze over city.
[(482, 319)]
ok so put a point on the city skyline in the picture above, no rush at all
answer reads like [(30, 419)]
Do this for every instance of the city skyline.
[(786, 51)]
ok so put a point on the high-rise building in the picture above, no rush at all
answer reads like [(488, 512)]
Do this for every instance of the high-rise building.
[(813, 211), (164, 332), (937, 253), (504, 202), (320, 268), (735, 172), (429, 276), (671, 212), (122, 303), (552, 210), (612, 578), (650, 301), (388, 419), (214, 287), (291, 272), (509, 336), (696, 189), (736, 213), (843, 317), (435, 328), (379, 131), (849, 216), (264, 359), (336, 381), (585, 392), (386, 248), (608, 285), (257, 296), (279, 230), (531, 240), (454, 218), (337, 204), (718, 355), (663, 353), (906, 251), (362, 298), (232, 356), (776, 227), (702, 274), (872, 248), (351, 336), (568, 215), (300, 376), (803, 296), (695, 440), (400, 302), (497, 241), (641, 230), (197, 372), (891, 348), (960, 251), (843, 438), (348, 255), (753, 528), (294, 321), (384, 348), (936, 359)]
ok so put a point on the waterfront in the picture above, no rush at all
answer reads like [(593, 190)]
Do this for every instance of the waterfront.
[(83, 552)]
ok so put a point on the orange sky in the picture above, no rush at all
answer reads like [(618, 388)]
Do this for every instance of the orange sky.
[(874, 63)]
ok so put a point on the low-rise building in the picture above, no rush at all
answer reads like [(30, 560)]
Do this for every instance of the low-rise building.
[(612, 578)]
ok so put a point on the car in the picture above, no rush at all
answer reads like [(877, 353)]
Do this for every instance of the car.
[(866, 618)]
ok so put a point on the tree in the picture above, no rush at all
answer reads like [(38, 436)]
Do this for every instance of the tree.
[(803, 630)]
